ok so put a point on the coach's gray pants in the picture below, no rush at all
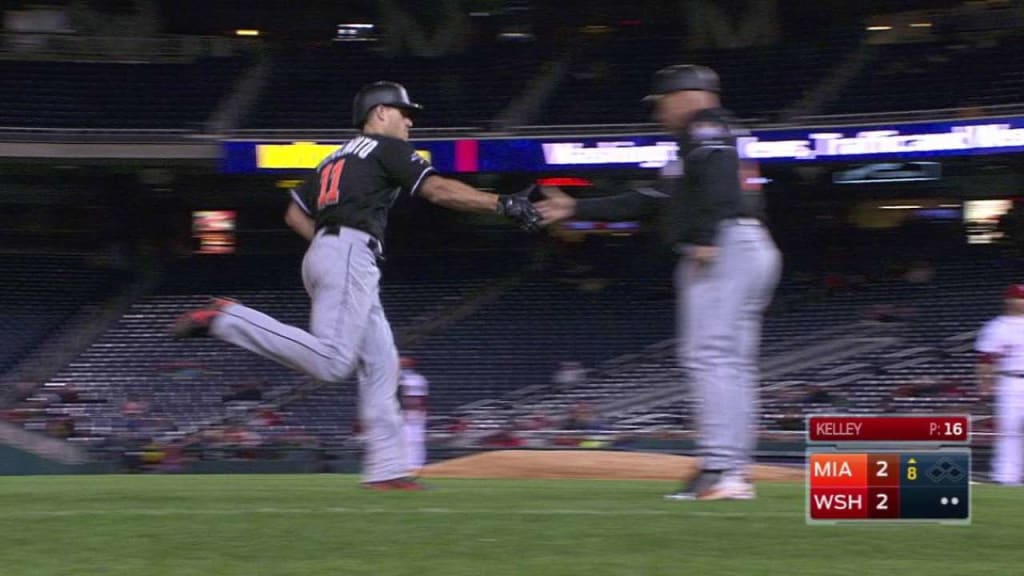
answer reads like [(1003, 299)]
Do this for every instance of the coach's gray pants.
[(348, 333), (721, 306)]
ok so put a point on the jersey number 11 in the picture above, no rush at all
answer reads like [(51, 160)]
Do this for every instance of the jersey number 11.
[(330, 178)]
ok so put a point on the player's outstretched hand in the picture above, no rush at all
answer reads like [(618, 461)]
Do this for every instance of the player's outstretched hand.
[(556, 206), (517, 207)]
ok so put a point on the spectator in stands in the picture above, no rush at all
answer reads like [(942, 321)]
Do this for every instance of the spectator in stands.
[(507, 437), (20, 391), (817, 395), (133, 412), (174, 456), (245, 441), (792, 421), (919, 272), (584, 417), (570, 374), (47, 396), (538, 421), (886, 313), (211, 443), (459, 432), (834, 283), (62, 427), (268, 417), (953, 388), (245, 392), (925, 387), (67, 393)]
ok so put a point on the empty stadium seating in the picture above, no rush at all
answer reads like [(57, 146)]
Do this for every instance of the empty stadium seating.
[(605, 84), (39, 292), (936, 75), (313, 88), (147, 96)]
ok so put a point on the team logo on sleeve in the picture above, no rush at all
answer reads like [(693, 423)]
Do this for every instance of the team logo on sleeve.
[(672, 169), (702, 131), (420, 157)]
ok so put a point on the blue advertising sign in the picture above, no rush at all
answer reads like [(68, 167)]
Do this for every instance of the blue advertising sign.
[(548, 154)]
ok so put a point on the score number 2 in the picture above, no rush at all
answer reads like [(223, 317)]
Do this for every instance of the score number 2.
[(330, 179), (882, 472)]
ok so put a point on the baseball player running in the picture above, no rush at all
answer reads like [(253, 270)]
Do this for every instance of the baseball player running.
[(1001, 370), (342, 209), (726, 275)]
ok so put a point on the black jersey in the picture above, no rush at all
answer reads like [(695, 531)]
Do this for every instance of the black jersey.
[(695, 191), (356, 185), (707, 186)]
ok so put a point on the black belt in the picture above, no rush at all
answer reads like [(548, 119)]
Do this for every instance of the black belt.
[(372, 243)]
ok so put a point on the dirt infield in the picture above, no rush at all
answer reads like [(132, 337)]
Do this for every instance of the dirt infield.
[(586, 464)]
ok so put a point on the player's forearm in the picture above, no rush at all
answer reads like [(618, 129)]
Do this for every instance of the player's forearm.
[(457, 195), (298, 221), (306, 230)]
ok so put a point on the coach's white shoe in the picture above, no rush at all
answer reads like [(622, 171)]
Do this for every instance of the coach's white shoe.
[(730, 488), (715, 485), (702, 482)]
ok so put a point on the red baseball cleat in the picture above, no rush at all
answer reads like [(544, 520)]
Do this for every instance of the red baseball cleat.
[(197, 322)]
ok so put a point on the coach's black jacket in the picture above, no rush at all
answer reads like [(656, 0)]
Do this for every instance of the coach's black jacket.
[(695, 193)]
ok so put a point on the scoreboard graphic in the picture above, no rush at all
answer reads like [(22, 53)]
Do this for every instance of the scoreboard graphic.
[(892, 468)]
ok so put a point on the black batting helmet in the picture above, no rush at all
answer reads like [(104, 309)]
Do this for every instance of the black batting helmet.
[(377, 93), (683, 77)]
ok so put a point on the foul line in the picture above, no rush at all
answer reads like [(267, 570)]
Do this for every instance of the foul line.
[(679, 509)]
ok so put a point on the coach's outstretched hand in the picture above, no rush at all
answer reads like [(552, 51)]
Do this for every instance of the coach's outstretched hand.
[(556, 206), (517, 207)]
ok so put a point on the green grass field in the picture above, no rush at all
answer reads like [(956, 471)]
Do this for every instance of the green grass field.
[(325, 524)]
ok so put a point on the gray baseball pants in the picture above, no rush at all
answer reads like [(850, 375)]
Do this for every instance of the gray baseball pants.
[(348, 334), (721, 306)]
